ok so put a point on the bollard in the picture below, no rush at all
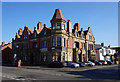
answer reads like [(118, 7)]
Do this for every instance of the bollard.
[(19, 63)]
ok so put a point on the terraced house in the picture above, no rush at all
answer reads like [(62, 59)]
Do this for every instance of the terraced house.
[(59, 42)]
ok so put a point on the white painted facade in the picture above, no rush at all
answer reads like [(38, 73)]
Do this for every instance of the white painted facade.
[(106, 53)]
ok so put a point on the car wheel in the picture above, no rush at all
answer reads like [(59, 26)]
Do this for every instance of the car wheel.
[(73, 66)]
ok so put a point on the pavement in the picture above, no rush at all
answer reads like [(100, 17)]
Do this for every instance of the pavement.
[(106, 72)]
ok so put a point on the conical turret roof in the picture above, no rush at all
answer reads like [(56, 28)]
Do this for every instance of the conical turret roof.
[(58, 15)]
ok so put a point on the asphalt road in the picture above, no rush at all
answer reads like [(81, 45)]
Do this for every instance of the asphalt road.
[(107, 72)]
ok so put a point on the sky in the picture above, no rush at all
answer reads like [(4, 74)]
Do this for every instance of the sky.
[(102, 17)]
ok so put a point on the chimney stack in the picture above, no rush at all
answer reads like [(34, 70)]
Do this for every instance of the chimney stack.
[(109, 46), (3, 43), (102, 44), (20, 31), (69, 26), (39, 26), (78, 26)]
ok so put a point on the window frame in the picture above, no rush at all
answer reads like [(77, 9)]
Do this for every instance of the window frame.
[(59, 41), (53, 42), (59, 25)]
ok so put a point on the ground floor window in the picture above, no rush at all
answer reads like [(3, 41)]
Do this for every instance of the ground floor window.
[(63, 56)]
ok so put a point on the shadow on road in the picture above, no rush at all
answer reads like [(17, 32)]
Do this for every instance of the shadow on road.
[(96, 74)]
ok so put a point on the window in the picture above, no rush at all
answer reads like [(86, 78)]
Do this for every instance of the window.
[(82, 45), (76, 45), (53, 42), (82, 36), (45, 32), (63, 56), (17, 46), (76, 34), (35, 35), (90, 37), (58, 41), (45, 44), (35, 45), (63, 26), (25, 37), (63, 42), (53, 26), (90, 47), (58, 25)]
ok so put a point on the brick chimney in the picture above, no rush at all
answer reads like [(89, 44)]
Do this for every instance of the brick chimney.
[(39, 26), (69, 26), (20, 31), (102, 44), (3, 43), (78, 26), (109, 46)]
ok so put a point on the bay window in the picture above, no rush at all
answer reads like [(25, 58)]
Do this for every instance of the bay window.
[(63, 42), (53, 42), (58, 41)]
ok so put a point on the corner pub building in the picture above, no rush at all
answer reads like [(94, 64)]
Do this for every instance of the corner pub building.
[(56, 43)]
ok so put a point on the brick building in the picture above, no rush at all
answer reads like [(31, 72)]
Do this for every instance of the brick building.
[(59, 42), (6, 50)]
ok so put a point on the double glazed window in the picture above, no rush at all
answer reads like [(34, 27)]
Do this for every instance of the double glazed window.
[(44, 44), (63, 26), (35, 34), (63, 56), (25, 37), (58, 41), (82, 45), (63, 42), (45, 32), (90, 37), (82, 36), (53, 26), (58, 25), (90, 47), (53, 42)]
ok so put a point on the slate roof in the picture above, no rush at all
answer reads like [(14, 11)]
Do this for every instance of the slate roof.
[(58, 15)]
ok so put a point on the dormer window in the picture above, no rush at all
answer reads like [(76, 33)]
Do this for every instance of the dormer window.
[(25, 37), (76, 34), (45, 32), (82, 36), (35, 34), (58, 25), (63, 26), (53, 26), (90, 37)]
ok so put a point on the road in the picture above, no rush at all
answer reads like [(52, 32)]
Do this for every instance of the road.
[(107, 72)]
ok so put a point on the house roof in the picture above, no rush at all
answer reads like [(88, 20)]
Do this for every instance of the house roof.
[(58, 15), (7, 45)]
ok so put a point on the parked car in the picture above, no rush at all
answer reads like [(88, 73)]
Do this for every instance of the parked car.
[(109, 62), (103, 62), (97, 62), (56, 64), (81, 64), (71, 64), (89, 63)]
